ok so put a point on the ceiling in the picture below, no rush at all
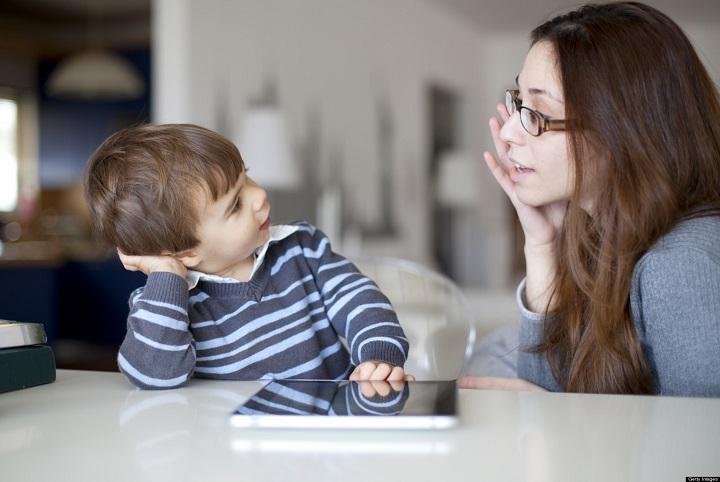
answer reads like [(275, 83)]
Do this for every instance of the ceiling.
[(525, 14), (47, 28), (54, 27), (76, 9)]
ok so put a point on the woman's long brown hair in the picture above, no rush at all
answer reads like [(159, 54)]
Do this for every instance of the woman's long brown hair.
[(645, 140)]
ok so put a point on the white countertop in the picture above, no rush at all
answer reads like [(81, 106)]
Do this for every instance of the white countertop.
[(92, 426)]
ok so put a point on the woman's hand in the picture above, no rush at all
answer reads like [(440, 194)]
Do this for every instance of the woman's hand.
[(493, 383), (540, 224), (152, 264)]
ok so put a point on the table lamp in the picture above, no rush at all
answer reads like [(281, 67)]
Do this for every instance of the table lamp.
[(265, 147)]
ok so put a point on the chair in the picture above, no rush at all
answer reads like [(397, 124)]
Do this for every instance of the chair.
[(433, 313)]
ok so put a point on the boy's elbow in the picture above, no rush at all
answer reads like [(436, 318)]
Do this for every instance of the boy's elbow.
[(157, 384), (153, 381), (145, 386)]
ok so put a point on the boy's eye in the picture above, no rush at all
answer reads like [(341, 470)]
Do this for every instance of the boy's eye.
[(236, 206)]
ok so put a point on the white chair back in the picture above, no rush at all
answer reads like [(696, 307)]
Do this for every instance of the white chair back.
[(433, 312)]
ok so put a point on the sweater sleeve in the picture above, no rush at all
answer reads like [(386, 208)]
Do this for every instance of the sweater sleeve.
[(533, 367), (357, 309), (158, 349), (679, 319)]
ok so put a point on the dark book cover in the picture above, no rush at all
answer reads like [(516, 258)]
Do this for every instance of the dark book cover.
[(26, 366)]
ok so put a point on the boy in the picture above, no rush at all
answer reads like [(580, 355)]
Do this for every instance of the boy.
[(228, 296)]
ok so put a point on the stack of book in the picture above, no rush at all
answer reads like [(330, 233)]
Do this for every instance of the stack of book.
[(25, 359)]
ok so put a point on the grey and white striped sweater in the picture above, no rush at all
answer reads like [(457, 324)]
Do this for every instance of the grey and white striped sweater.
[(286, 322)]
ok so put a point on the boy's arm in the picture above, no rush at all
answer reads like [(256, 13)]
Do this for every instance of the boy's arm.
[(158, 350), (356, 307)]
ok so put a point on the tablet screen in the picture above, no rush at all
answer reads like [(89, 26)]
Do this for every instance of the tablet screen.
[(348, 404)]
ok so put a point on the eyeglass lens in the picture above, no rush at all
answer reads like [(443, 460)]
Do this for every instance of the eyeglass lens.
[(529, 119)]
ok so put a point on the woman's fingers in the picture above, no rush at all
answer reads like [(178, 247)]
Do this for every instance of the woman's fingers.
[(494, 383), (500, 174), (501, 146), (502, 110)]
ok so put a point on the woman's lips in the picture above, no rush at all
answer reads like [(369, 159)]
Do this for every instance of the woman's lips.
[(519, 171)]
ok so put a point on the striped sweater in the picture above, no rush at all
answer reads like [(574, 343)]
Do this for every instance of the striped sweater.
[(287, 321)]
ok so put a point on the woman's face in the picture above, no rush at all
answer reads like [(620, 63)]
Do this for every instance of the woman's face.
[(540, 169)]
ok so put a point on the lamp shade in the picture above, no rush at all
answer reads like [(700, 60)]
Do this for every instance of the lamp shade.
[(96, 75), (458, 180), (265, 148)]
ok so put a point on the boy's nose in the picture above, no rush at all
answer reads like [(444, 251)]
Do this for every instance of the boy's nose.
[(259, 198)]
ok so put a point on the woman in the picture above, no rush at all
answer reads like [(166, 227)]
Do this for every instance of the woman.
[(609, 150)]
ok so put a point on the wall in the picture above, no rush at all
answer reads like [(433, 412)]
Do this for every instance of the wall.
[(706, 39), (335, 61)]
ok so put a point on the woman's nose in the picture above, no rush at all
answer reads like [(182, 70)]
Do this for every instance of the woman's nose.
[(512, 131)]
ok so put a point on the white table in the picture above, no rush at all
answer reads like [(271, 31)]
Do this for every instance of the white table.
[(92, 426)]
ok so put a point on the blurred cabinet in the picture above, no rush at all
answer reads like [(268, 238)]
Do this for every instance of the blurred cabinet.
[(30, 293), (80, 300)]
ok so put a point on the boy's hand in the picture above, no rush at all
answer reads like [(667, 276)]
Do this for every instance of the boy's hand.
[(369, 389), (152, 264), (377, 370)]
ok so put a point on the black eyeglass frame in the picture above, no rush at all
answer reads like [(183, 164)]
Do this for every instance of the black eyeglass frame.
[(514, 104)]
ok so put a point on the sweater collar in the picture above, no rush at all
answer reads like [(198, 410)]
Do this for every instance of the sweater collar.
[(277, 233)]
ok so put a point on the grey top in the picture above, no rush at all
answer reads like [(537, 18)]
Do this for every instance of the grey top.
[(675, 304)]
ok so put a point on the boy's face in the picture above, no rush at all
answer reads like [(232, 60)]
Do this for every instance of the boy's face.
[(231, 229)]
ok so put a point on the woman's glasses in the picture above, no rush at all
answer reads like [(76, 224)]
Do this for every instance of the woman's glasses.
[(532, 121)]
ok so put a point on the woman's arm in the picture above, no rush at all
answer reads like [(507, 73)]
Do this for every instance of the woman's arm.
[(679, 319), (540, 224)]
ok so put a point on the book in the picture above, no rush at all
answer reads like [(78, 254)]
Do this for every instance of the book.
[(26, 366)]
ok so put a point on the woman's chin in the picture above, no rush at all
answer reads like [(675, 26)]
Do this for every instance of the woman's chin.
[(532, 199), (537, 199)]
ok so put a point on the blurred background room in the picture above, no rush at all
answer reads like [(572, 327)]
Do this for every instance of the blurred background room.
[(367, 118)]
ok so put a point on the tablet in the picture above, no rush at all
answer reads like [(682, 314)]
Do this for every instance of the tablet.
[(311, 404)]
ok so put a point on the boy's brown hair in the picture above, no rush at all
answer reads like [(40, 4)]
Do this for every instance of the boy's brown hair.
[(142, 183)]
